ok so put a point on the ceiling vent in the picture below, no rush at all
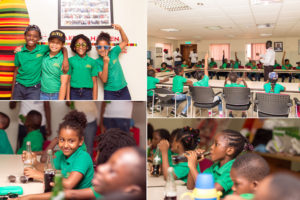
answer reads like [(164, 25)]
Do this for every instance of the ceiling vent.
[(172, 5)]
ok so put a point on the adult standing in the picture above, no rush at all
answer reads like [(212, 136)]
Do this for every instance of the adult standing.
[(268, 60), (168, 58), (177, 57), (193, 57)]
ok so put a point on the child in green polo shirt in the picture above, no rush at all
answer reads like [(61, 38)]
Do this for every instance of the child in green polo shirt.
[(178, 83), (33, 124), (163, 67), (276, 65), (28, 62), (253, 65), (227, 145), (83, 71), (184, 65), (272, 86), (203, 82), (247, 171), (224, 65), (186, 139), (285, 66), (54, 81), (111, 72), (297, 75), (212, 64), (5, 146)]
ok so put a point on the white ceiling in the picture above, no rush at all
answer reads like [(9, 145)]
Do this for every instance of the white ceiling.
[(237, 17)]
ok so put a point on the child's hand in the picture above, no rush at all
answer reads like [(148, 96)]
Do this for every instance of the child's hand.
[(233, 197), (33, 173), (117, 27), (106, 58), (200, 151), (192, 159), (163, 145), (33, 157), (17, 49), (166, 79)]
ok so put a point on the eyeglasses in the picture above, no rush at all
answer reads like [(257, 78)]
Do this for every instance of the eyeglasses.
[(106, 47), (80, 45)]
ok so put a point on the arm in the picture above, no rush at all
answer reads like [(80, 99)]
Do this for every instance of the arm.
[(164, 147), (43, 196), (206, 65), (68, 88), (124, 42), (14, 81), (104, 74), (95, 88), (282, 61), (223, 58), (63, 86), (65, 64), (189, 82), (86, 193), (164, 80), (101, 124), (73, 179), (236, 58), (48, 117), (193, 173)]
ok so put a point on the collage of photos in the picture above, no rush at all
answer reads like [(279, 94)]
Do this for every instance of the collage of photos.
[(214, 116)]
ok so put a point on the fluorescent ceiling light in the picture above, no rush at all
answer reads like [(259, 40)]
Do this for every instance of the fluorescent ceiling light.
[(268, 25), (172, 5), (265, 34), (169, 29), (171, 38), (214, 27), (265, 2)]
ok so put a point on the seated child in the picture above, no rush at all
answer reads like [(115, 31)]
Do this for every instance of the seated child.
[(276, 65), (203, 82), (158, 135), (212, 64), (235, 82), (297, 75), (285, 66), (163, 67), (186, 139), (272, 86), (247, 171), (33, 124), (178, 83), (224, 65), (5, 146), (253, 74), (227, 145)]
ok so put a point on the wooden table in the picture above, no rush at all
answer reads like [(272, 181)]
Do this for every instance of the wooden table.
[(13, 165)]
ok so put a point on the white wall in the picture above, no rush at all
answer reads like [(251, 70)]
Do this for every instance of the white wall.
[(130, 14), (290, 45)]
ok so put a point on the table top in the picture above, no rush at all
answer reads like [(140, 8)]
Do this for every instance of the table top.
[(13, 165), (281, 156)]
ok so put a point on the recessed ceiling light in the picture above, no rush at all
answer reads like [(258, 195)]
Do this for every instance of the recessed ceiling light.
[(172, 5), (169, 29), (267, 25), (214, 27), (265, 34), (171, 38), (264, 2)]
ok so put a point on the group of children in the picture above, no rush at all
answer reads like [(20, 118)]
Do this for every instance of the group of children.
[(235, 169), (179, 81), (44, 72)]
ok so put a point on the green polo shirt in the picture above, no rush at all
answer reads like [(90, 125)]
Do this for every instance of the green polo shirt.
[(234, 85), (249, 64), (211, 64), (224, 66), (247, 196), (5, 147), (276, 65), (199, 66), (116, 79), (182, 170), (96, 194), (36, 139), (30, 65), (81, 71), (203, 82), (178, 83), (222, 176), (51, 72), (236, 65), (151, 84), (79, 161), (298, 67), (277, 89), (286, 66), (162, 69), (182, 65)]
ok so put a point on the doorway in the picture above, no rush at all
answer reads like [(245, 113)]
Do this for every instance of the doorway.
[(185, 50)]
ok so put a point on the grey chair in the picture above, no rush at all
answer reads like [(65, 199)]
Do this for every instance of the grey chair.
[(237, 98), (203, 98), (272, 105)]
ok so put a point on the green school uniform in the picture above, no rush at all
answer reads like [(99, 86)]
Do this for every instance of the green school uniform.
[(182, 170), (276, 65), (79, 161), (162, 69), (222, 176), (286, 66), (211, 64), (51, 72), (247, 196), (234, 85), (203, 82), (5, 146), (236, 65), (224, 66), (178, 83), (151, 84), (277, 89), (182, 65), (96, 194), (81, 71), (36, 139), (298, 67), (199, 66), (30, 65), (116, 79), (249, 64)]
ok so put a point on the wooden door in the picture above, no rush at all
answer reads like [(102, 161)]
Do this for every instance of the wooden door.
[(185, 50)]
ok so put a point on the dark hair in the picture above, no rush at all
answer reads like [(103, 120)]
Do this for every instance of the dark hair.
[(178, 69), (251, 166), (4, 120), (81, 36), (151, 72), (149, 131), (173, 135), (269, 42), (198, 75), (139, 172), (163, 133), (76, 121), (34, 119), (103, 36), (33, 28), (273, 83), (188, 137), (233, 77), (112, 140), (163, 64), (286, 60), (237, 141)]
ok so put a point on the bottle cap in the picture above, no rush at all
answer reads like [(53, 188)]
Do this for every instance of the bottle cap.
[(28, 143), (205, 181)]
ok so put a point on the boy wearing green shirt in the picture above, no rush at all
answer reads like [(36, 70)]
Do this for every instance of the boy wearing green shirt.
[(224, 65), (251, 74), (5, 146), (285, 66), (33, 124), (54, 81), (212, 64)]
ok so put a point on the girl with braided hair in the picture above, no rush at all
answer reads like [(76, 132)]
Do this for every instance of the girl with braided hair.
[(227, 145)]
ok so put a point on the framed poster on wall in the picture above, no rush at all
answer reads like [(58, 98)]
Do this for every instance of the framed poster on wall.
[(83, 14)]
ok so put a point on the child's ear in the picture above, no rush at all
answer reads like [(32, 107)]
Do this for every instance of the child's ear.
[(81, 141), (132, 189), (255, 184), (230, 151)]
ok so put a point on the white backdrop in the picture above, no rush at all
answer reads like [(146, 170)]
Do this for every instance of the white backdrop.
[(130, 14)]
